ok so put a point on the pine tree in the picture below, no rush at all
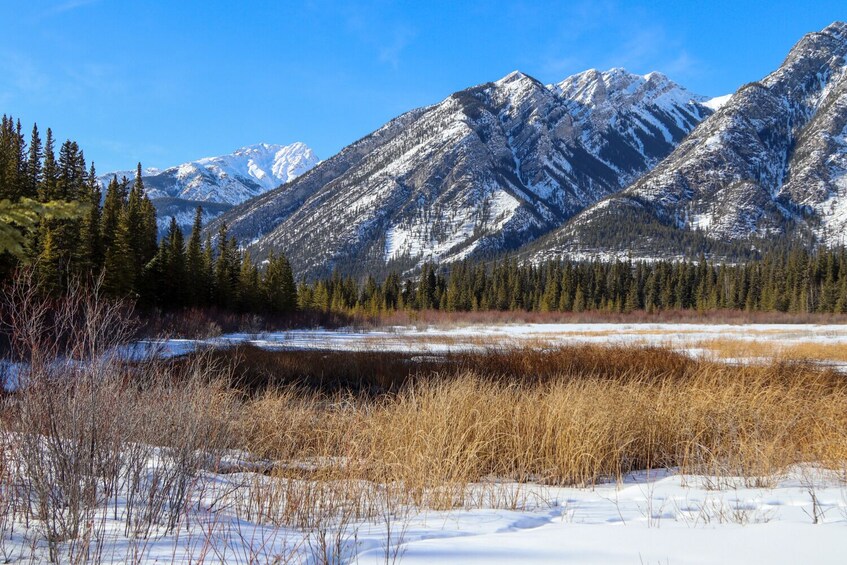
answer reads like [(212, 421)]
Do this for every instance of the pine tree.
[(49, 171), (175, 266), (427, 288), (631, 304), (34, 168), (249, 292), (226, 269), (196, 270), (136, 226), (288, 289), (208, 267), (150, 229), (90, 251), (119, 273), (113, 206), (579, 300)]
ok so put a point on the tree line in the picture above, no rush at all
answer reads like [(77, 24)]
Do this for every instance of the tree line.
[(81, 232), (795, 281)]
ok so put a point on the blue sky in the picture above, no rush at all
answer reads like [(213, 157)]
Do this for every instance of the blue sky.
[(164, 82)]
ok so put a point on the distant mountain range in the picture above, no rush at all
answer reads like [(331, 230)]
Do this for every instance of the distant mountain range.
[(218, 183), (482, 172), (602, 164)]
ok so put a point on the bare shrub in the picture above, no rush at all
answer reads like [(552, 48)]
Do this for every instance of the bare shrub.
[(65, 407), (90, 427)]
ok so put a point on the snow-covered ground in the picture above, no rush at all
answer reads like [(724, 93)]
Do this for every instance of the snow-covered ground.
[(659, 518), (683, 337), (651, 519)]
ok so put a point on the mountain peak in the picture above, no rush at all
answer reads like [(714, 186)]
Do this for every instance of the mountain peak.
[(513, 76), (258, 147), (229, 179), (818, 54), (837, 29), (518, 78), (617, 89), (271, 148), (770, 164), (614, 78)]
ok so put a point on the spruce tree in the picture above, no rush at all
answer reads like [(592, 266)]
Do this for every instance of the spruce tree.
[(248, 285), (90, 251), (119, 272), (225, 270), (136, 225), (289, 288), (175, 266), (34, 168), (113, 206), (196, 271)]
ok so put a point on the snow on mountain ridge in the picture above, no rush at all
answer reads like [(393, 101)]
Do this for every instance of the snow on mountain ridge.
[(483, 171), (717, 102), (218, 183), (597, 90), (229, 179), (768, 165)]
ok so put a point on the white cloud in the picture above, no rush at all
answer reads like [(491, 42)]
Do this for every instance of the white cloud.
[(67, 6), (23, 76), (387, 36), (611, 33)]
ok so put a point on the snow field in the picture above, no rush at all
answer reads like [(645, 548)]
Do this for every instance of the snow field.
[(699, 340), (659, 517)]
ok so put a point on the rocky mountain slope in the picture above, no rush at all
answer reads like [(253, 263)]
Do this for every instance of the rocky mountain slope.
[(484, 171), (769, 165), (218, 183)]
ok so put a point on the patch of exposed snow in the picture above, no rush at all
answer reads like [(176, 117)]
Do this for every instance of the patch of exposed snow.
[(717, 102), (701, 221)]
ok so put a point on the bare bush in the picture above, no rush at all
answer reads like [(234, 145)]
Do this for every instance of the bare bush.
[(90, 427)]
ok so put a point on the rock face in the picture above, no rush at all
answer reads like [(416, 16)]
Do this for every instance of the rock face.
[(218, 183), (482, 172), (770, 164)]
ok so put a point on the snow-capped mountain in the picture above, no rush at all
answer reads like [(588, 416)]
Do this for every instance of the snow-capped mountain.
[(771, 163), (221, 182), (484, 171), (228, 179)]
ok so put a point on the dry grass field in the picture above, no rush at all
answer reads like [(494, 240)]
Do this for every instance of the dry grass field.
[(102, 458), (572, 415)]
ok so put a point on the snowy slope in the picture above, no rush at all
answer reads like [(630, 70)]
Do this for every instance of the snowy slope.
[(771, 163), (481, 172), (717, 102)]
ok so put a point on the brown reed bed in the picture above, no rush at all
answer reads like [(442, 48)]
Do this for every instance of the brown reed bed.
[(335, 438), (571, 415)]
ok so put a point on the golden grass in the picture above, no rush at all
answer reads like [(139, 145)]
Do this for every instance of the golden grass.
[(346, 436), (568, 416), (729, 348)]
